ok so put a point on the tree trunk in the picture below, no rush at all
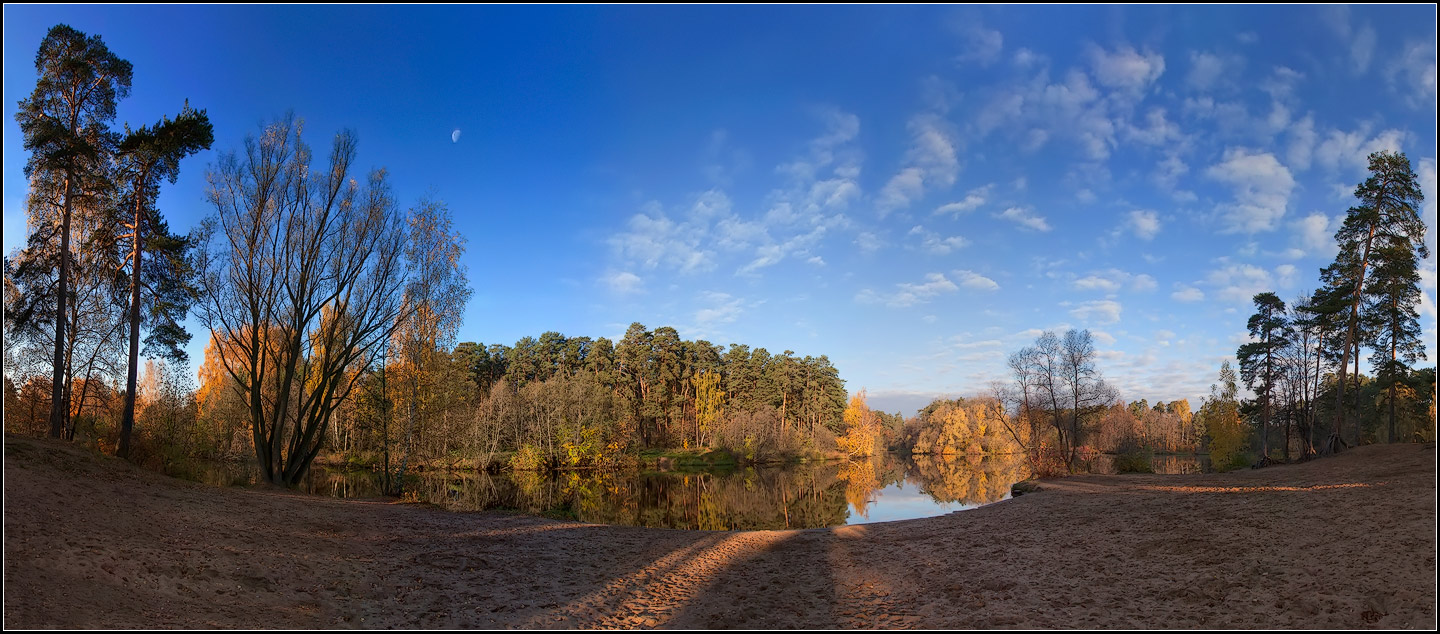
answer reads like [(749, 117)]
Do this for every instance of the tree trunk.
[(57, 385), (1336, 438), (127, 419)]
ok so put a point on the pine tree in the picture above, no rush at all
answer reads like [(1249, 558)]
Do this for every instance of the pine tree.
[(1258, 359), (158, 260), (1390, 314), (66, 125), (1386, 218)]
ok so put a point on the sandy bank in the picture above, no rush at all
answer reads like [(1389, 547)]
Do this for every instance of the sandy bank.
[(1345, 542)]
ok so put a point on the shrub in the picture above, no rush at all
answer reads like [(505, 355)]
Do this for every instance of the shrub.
[(528, 458), (1133, 456)]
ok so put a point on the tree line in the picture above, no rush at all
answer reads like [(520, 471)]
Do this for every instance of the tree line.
[(333, 314), (1303, 359)]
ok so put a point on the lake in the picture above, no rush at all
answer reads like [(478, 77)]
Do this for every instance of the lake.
[(884, 488)]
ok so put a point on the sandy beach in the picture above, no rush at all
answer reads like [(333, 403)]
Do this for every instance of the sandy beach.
[(1344, 542)]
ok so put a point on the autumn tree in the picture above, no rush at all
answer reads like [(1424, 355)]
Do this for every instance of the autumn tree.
[(1220, 415), (1258, 359), (65, 124), (160, 266), (303, 285), (709, 405), (434, 303), (862, 430), (1385, 224)]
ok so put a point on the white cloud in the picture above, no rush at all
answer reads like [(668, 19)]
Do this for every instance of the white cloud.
[(1352, 149), (868, 242), (1240, 283), (1282, 82), (1416, 71), (1112, 280), (1262, 190), (973, 200), (1157, 130), (653, 239), (1097, 283), (1188, 294), (1144, 224), (1167, 172), (1102, 311), (771, 254), (623, 282), (1359, 44), (909, 294), (932, 163), (1025, 218), (1302, 143), (723, 309), (1316, 234), (982, 45), (903, 188), (931, 242), (1205, 70), (1285, 275), (1143, 283), (1125, 68), (971, 279)]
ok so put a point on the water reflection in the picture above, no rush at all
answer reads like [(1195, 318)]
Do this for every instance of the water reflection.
[(885, 488)]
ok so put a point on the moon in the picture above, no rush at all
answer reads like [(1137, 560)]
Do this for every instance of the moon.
[(455, 135)]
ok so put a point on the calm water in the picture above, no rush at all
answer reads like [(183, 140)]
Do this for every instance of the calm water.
[(886, 488)]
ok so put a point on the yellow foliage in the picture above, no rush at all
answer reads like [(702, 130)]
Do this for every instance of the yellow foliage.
[(1227, 434), (709, 404), (862, 428)]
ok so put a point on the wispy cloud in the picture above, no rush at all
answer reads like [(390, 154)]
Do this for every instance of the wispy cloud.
[(908, 294), (1025, 218), (932, 163)]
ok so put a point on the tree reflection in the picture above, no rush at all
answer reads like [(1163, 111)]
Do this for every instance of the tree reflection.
[(757, 498), (969, 479)]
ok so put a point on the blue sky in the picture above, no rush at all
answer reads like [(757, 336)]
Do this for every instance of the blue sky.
[(913, 191)]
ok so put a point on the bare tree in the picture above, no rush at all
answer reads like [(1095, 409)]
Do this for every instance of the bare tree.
[(1059, 375), (1089, 395), (301, 287)]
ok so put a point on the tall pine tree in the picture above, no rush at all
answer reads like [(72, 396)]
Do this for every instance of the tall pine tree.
[(1375, 230), (159, 263), (66, 125)]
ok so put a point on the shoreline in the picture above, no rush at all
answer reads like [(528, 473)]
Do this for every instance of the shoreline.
[(83, 548)]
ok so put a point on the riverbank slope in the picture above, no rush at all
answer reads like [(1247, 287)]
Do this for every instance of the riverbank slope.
[(1344, 542)]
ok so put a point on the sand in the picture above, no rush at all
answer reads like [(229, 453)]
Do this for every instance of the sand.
[(1343, 542)]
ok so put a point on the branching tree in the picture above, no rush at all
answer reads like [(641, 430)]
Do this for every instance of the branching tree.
[(159, 261), (1089, 395), (1059, 375), (302, 286)]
